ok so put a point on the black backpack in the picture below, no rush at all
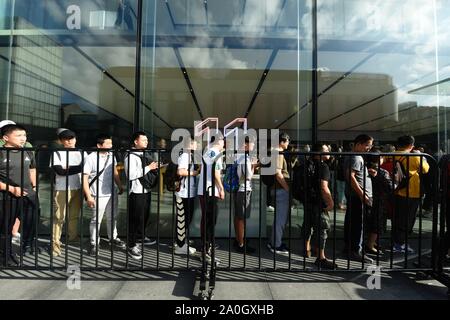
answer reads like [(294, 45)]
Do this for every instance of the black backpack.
[(151, 178), (305, 182), (171, 178), (268, 179)]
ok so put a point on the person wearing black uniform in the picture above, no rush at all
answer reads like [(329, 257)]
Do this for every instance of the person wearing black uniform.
[(17, 192)]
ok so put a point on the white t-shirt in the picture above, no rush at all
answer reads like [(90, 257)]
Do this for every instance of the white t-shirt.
[(185, 163), (134, 171), (209, 156), (245, 184), (105, 180), (60, 159)]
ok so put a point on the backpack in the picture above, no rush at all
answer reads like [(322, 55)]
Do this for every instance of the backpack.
[(171, 178), (267, 179), (231, 178), (151, 178), (305, 182), (400, 176)]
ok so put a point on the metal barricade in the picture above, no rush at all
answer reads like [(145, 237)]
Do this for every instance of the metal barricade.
[(406, 242)]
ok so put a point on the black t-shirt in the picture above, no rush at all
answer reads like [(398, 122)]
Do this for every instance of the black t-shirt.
[(17, 168), (324, 170), (321, 172)]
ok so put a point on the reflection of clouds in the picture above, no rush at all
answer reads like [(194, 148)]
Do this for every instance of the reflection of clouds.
[(200, 56), (380, 19), (80, 78), (112, 56), (411, 24), (204, 59)]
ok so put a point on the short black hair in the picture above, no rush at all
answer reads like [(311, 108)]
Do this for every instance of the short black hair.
[(215, 137), (249, 139), (362, 138), (8, 129), (102, 137), (283, 137), (405, 141), (136, 136), (317, 147)]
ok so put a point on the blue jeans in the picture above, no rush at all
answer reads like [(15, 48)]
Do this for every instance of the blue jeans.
[(340, 186), (281, 215)]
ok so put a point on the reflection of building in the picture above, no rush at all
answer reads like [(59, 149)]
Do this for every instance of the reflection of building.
[(34, 92)]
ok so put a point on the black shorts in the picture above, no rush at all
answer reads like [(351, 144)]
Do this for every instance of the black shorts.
[(243, 204)]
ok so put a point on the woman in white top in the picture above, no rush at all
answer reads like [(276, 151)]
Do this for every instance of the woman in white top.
[(185, 196)]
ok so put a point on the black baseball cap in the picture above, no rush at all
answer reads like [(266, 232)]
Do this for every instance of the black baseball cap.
[(67, 134)]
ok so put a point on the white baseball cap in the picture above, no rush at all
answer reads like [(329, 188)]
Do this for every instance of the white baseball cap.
[(5, 123)]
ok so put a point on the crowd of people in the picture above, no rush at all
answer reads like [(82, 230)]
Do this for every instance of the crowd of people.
[(370, 189)]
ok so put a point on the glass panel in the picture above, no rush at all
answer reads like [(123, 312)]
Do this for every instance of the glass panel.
[(227, 59), (372, 58), (73, 66)]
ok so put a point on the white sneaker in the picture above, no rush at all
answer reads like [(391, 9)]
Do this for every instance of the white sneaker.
[(184, 250), (270, 208), (135, 253), (209, 259)]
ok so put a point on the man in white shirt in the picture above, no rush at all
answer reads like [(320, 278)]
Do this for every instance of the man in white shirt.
[(213, 154), (185, 196), (140, 197), (67, 166), (98, 173)]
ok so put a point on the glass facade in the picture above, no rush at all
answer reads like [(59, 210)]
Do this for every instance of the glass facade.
[(381, 68), (319, 69)]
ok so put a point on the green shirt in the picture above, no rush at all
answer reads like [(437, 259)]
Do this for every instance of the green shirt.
[(27, 144)]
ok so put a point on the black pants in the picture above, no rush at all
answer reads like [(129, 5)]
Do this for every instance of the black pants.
[(404, 218), (353, 224), (447, 224), (11, 208), (207, 214), (185, 213), (139, 213)]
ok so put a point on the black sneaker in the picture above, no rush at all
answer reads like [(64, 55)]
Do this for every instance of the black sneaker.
[(30, 249), (147, 241), (247, 249), (325, 264), (92, 250), (14, 259), (356, 256), (10, 261), (279, 250), (373, 251), (118, 243)]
